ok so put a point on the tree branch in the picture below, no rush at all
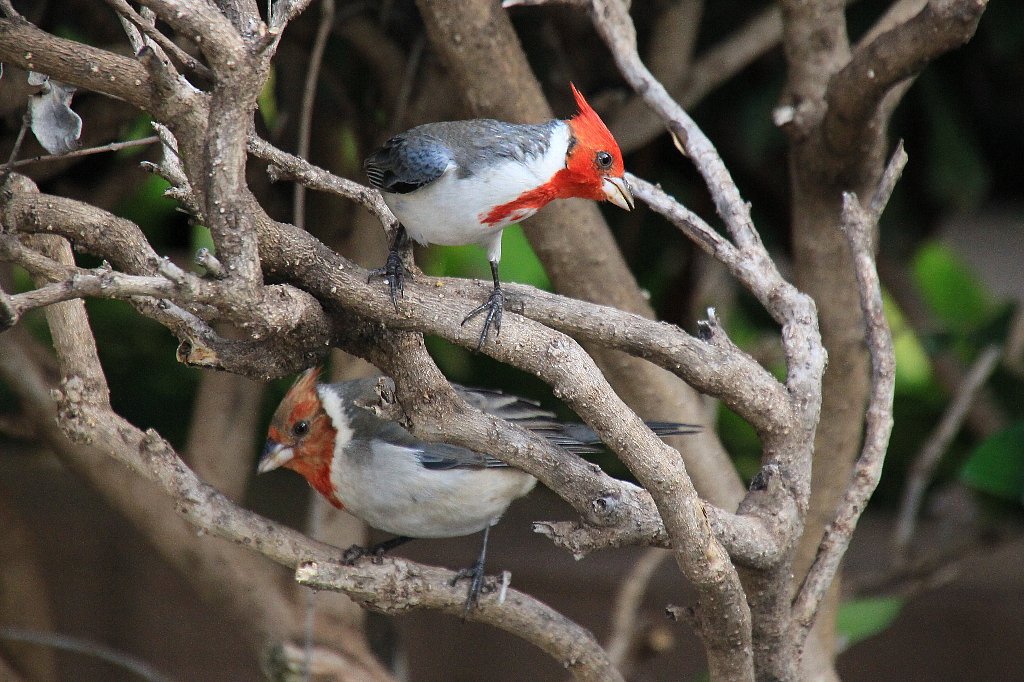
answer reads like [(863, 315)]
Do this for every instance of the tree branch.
[(859, 224), (855, 92), (935, 446), (394, 585)]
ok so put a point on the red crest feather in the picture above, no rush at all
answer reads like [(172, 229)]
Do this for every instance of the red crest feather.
[(593, 133)]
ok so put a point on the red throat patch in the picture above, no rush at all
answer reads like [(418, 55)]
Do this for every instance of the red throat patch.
[(580, 178), (313, 452)]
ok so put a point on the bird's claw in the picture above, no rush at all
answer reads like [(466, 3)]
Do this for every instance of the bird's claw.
[(394, 273), (353, 554), (476, 574), (494, 305), (376, 552)]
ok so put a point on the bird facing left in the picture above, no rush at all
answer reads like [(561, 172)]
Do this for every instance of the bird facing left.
[(381, 473)]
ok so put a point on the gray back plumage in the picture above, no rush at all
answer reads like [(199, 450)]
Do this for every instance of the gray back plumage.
[(576, 438), (419, 156)]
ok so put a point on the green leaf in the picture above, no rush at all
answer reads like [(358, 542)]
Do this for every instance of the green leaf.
[(267, 101), (913, 369), (996, 466), (863, 618), (201, 238), (951, 289)]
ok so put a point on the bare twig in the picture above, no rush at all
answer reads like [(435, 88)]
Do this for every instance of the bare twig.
[(859, 225), (148, 26), (316, 57), (26, 121), (627, 604), (712, 68), (935, 446), (292, 167), (86, 647), (612, 21), (111, 147)]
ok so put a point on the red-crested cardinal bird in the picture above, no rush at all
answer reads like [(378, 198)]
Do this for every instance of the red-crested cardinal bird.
[(378, 471), (463, 182)]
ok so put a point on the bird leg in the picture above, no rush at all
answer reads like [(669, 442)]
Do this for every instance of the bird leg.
[(393, 271), (476, 574), (494, 305), (356, 552)]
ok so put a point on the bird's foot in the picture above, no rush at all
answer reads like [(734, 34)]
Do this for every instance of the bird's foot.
[(493, 306), (393, 273), (357, 552), (475, 574)]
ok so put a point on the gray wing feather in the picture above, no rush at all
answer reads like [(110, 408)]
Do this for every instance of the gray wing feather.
[(579, 439), (407, 162), (419, 156)]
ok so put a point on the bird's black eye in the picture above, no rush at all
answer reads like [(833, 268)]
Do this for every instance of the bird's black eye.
[(300, 429), (604, 160)]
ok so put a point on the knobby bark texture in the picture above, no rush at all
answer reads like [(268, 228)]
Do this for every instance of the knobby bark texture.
[(275, 299), (835, 109)]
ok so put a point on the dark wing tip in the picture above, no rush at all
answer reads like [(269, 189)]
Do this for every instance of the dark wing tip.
[(663, 429), (374, 173)]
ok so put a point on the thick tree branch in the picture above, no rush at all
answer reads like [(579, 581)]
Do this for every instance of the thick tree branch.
[(855, 92), (84, 66), (394, 585), (859, 223), (296, 254)]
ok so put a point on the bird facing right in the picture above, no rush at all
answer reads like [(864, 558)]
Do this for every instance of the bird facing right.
[(463, 182)]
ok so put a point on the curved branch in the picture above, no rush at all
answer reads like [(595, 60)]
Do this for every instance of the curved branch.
[(394, 585), (636, 124), (83, 66), (716, 369), (412, 586), (859, 224), (614, 25), (858, 89)]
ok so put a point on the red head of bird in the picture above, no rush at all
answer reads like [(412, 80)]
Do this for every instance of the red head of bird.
[(593, 166), (302, 436)]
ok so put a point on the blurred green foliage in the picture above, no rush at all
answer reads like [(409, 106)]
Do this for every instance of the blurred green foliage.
[(518, 261), (955, 295), (996, 466), (864, 618)]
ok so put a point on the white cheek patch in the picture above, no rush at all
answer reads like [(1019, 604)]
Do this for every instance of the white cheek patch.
[(339, 418)]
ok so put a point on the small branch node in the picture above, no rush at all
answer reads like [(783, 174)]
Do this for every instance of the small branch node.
[(204, 258)]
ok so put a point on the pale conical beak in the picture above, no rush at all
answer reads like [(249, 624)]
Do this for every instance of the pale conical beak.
[(616, 190), (274, 455)]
